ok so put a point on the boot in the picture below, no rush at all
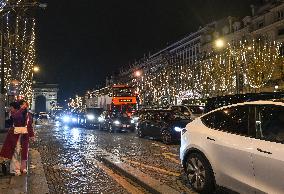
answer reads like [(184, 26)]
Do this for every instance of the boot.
[(24, 166)]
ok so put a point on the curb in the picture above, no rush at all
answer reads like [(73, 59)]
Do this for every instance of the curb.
[(144, 180), (37, 182)]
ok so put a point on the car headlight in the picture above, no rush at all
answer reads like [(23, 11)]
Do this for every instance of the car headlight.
[(116, 122), (178, 129), (66, 119), (101, 119), (132, 121), (90, 117)]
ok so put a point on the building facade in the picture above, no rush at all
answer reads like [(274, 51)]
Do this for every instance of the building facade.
[(173, 74)]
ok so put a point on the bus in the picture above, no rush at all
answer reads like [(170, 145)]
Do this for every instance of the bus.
[(118, 98), (124, 99)]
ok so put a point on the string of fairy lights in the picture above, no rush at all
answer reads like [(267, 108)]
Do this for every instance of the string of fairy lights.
[(240, 67), (19, 46), (76, 104), (245, 66)]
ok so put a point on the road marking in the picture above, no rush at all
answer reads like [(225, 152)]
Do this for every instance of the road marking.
[(119, 179), (168, 156), (153, 168)]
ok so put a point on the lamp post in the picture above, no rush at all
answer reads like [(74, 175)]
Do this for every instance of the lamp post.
[(2, 77), (138, 75)]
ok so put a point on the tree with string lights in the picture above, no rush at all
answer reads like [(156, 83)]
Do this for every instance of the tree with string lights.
[(248, 64), (18, 28)]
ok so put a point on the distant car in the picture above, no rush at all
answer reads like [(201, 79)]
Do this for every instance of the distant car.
[(239, 147), (165, 125), (92, 116), (43, 115), (118, 122), (42, 118), (70, 119)]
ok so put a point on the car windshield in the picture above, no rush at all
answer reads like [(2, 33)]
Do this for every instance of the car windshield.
[(96, 111), (196, 109), (169, 116)]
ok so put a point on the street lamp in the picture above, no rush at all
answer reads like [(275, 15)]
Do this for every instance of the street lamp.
[(36, 69), (138, 73), (220, 43)]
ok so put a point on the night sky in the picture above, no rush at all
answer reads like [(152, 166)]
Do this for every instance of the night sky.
[(81, 42)]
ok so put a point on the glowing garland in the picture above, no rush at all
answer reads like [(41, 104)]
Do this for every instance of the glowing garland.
[(241, 67), (19, 52)]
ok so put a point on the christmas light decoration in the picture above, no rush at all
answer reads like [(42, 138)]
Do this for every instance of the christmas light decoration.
[(19, 44), (239, 67)]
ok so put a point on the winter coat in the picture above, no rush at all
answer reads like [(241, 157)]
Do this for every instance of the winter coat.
[(20, 119)]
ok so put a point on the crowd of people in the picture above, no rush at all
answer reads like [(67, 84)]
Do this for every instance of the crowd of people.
[(16, 144)]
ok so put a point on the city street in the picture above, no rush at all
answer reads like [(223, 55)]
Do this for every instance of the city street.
[(71, 159)]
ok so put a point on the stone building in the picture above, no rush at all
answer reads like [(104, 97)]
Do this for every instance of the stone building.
[(266, 20), (44, 97)]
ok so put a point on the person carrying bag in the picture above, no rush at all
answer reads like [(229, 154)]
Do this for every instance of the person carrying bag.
[(16, 144)]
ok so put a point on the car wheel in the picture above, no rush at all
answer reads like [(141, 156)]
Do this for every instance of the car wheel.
[(199, 174), (140, 133), (166, 136)]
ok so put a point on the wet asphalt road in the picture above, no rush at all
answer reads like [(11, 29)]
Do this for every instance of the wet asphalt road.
[(71, 160)]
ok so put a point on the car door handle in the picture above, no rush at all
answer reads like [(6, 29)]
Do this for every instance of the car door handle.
[(266, 152), (210, 139)]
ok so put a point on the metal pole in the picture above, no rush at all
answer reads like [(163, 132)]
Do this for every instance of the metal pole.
[(2, 87), (2, 77)]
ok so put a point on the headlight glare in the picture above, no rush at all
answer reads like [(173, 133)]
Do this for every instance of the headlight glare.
[(90, 117), (178, 129), (101, 119), (116, 122), (66, 119)]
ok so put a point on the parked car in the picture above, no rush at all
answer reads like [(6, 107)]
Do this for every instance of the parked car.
[(193, 111), (240, 147), (196, 110), (162, 124), (219, 101)]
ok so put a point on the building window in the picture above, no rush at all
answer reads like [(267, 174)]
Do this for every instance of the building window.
[(282, 50), (260, 24), (280, 14), (281, 32)]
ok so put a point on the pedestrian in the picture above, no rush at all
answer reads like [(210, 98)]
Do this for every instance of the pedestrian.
[(16, 144), (25, 137)]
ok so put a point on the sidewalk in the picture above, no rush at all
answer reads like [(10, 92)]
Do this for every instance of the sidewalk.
[(32, 183)]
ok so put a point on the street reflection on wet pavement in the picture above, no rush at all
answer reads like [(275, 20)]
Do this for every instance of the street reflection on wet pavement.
[(71, 159)]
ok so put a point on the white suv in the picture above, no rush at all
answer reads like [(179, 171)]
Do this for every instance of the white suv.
[(240, 147)]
